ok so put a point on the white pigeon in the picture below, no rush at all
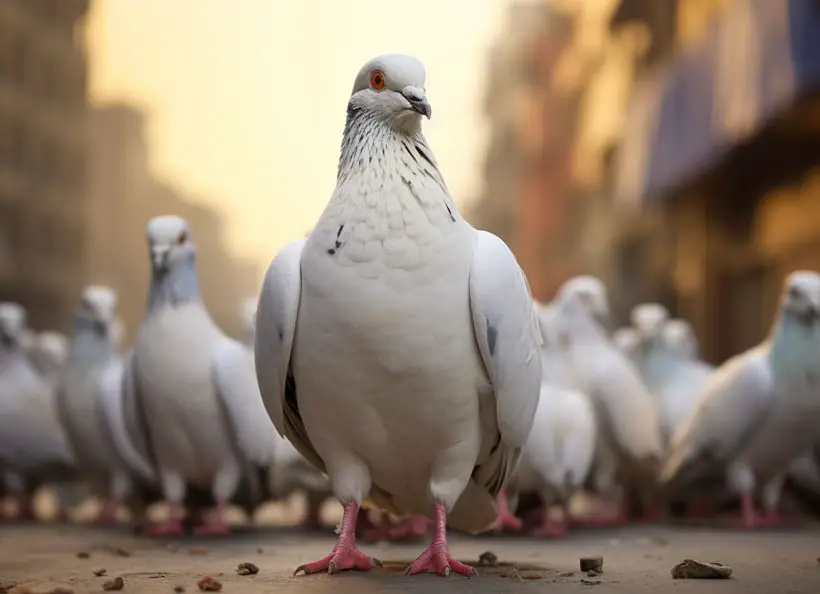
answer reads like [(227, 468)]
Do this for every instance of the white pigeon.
[(397, 346), (627, 416), (680, 337), (648, 319), (49, 354), (83, 393), (758, 411), (290, 471), (627, 340), (206, 423), (33, 447), (558, 454)]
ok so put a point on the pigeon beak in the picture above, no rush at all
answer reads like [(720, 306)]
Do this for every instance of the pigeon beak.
[(159, 256), (418, 101)]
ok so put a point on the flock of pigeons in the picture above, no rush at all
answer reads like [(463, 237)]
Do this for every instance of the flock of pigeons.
[(396, 360)]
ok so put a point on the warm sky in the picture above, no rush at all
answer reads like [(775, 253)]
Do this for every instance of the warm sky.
[(247, 97)]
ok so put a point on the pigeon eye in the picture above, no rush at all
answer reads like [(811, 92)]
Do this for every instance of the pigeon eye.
[(377, 80), (182, 238)]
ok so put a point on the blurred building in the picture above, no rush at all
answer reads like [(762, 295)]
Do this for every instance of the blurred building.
[(43, 73), (123, 195), (686, 172)]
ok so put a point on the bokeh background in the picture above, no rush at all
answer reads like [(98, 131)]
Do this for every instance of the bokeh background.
[(667, 146)]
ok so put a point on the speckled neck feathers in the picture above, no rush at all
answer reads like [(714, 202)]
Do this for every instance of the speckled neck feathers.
[(374, 150), (176, 286)]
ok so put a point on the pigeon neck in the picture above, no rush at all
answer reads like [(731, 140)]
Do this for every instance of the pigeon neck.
[(92, 342), (371, 146), (178, 285), (795, 343)]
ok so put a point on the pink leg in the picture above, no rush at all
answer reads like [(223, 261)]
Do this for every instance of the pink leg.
[(344, 555), (108, 512), (437, 557), (409, 528), (218, 525), (550, 528), (171, 525), (751, 520), (505, 519)]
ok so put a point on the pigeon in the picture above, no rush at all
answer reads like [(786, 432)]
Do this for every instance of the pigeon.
[(49, 354), (397, 346), (680, 337), (648, 319), (82, 394), (757, 412), (627, 341), (290, 471), (33, 447), (629, 436), (558, 454), (206, 423)]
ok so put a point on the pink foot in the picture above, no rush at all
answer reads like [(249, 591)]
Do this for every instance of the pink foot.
[(108, 514), (172, 525), (505, 519), (375, 532), (750, 520), (437, 557), (344, 555), (410, 528), (217, 526)]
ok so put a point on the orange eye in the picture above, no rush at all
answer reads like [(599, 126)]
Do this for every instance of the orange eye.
[(377, 80), (183, 237)]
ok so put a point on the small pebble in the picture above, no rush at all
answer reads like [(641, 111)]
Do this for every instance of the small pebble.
[(590, 582), (700, 570), (209, 584), (260, 550), (487, 559), (100, 572), (595, 564), (247, 569), (179, 589), (115, 584), (83, 555)]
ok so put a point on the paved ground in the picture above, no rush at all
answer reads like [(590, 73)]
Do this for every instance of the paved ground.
[(636, 560)]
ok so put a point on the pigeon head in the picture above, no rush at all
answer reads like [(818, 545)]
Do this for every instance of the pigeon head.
[(591, 292), (97, 308), (169, 242), (679, 336), (391, 88), (801, 296), (626, 340), (53, 347), (649, 319), (549, 323), (12, 324)]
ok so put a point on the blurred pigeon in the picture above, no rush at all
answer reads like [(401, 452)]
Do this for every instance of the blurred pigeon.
[(758, 411), (558, 455), (205, 418), (49, 354), (627, 341), (680, 337), (80, 399), (626, 411), (33, 447), (411, 373), (648, 319)]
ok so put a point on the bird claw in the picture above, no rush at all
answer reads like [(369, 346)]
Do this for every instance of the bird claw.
[(441, 563), (340, 560)]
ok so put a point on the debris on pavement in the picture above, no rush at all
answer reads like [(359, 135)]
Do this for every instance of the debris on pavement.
[(209, 584), (120, 552), (247, 569), (99, 572), (594, 564), (113, 585), (83, 555), (179, 589), (700, 570), (487, 559), (587, 582)]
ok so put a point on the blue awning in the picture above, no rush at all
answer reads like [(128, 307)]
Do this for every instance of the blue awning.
[(752, 63)]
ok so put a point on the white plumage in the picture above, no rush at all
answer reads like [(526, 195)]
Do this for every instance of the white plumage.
[(759, 410), (206, 423), (397, 346)]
